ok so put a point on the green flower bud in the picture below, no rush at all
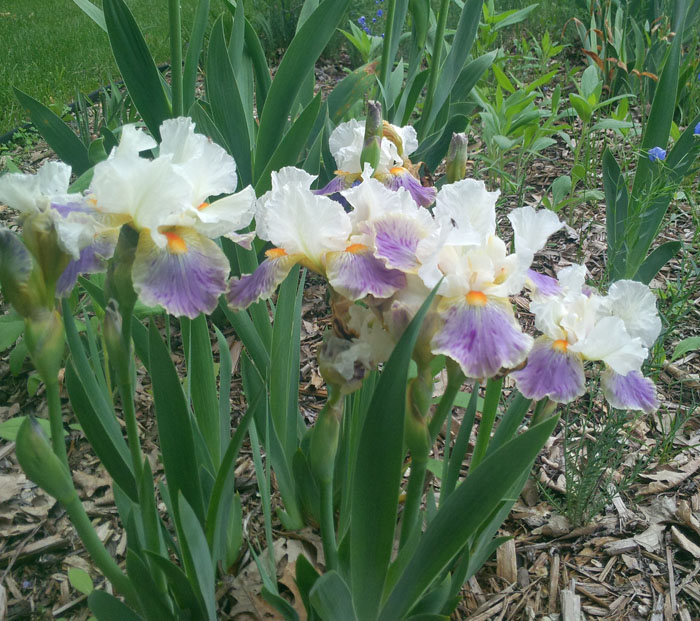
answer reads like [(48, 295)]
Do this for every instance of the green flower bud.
[(418, 399), (41, 238), (20, 279), (40, 463), (374, 129), (45, 339), (117, 346), (457, 158), (324, 438)]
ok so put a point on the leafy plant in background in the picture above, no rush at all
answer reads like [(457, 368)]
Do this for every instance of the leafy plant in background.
[(518, 122), (635, 213), (586, 103), (628, 42)]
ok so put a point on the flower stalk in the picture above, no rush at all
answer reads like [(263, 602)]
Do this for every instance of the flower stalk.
[(418, 441), (324, 446), (488, 418), (175, 23)]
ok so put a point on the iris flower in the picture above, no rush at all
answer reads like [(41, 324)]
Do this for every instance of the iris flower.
[(578, 324), (316, 232), (478, 327), (393, 169), (82, 236), (177, 264)]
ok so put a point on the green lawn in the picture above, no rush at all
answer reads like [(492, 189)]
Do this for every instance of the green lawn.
[(50, 48)]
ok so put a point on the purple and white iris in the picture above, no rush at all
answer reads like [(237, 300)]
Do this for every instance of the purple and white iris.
[(82, 234), (578, 325), (479, 329), (316, 232), (177, 265), (393, 169)]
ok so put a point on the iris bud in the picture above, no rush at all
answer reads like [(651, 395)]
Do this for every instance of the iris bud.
[(45, 339), (40, 463), (374, 128), (19, 277), (457, 158)]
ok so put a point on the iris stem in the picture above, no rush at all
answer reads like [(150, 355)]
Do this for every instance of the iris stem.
[(175, 21), (385, 67), (414, 495), (98, 552), (58, 441), (455, 379), (132, 430), (488, 417), (434, 67), (330, 547)]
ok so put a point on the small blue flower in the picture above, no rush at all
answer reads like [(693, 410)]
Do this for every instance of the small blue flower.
[(696, 131), (374, 20), (657, 153), (361, 20), (366, 29), (380, 12)]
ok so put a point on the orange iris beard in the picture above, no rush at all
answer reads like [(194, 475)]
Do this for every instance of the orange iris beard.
[(176, 244), (476, 298)]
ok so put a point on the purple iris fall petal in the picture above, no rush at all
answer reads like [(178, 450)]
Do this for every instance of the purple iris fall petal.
[(545, 285), (482, 337), (401, 178), (551, 372), (396, 240), (92, 260), (186, 278), (356, 273), (629, 392), (261, 284)]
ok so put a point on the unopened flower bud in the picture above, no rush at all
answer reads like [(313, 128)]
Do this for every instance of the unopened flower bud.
[(19, 275), (117, 345), (324, 438), (374, 128), (40, 464), (45, 339), (457, 158), (41, 238)]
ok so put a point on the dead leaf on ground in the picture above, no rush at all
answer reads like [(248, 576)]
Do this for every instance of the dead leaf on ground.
[(666, 479)]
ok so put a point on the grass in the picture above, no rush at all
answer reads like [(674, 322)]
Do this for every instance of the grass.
[(52, 48)]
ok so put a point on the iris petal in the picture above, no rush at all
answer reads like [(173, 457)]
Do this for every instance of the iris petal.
[(91, 261), (552, 372), (629, 392), (186, 277), (261, 284), (482, 338), (357, 273)]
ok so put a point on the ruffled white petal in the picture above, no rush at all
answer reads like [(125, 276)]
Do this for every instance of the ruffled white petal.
[(635, 304), (467, 210), (297, 220), (208, 168), (608, 341), (227, 215), (31, 193), (533, 228)]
